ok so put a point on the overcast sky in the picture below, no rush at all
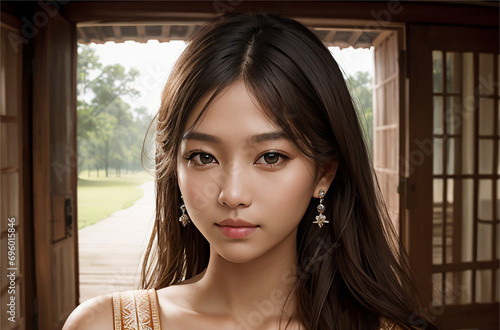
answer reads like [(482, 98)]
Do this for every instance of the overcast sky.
[(154, 61)]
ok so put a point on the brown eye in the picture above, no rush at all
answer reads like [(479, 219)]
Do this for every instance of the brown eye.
[(206, 158), (271, 158)]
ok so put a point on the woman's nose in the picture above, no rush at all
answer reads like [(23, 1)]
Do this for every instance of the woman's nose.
[(234, 188)]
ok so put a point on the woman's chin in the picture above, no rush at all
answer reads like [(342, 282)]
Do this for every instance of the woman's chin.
[(238, 254)]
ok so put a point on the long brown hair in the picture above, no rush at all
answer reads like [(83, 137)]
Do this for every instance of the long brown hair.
[(352, 271)]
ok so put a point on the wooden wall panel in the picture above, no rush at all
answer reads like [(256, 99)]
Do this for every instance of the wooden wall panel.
[(13, 221)]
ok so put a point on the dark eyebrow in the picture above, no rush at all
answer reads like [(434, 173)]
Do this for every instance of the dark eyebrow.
[(201, 137), (254, 139), (267, 137)]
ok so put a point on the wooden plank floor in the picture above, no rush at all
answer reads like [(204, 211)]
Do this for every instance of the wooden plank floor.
[(111, 250)]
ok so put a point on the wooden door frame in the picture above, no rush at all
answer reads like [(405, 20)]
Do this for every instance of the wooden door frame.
[(422, 40), (43, 213)]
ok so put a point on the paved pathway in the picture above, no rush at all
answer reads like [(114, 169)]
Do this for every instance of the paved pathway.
[(111, 250)]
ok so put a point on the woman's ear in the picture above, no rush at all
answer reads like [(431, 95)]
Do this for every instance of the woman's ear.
[(326, 174)]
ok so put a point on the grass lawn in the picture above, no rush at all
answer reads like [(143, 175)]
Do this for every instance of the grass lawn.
[(99, 197)]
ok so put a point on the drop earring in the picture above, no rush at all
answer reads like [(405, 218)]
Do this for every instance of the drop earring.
[(184, 218), (321, 218)]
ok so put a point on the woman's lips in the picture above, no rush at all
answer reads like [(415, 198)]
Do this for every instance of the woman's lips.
[(236, 228)]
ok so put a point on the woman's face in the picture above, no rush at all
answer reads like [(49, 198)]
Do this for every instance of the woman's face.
[(244, 185)]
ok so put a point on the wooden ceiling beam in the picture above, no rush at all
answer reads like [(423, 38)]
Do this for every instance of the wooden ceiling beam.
[(141, 33), (329, 37), (117, 31), (82, 35), (353, 39), (376, 13), (165, 33)]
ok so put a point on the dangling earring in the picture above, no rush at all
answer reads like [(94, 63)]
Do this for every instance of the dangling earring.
[(184, 218), (321, 218)]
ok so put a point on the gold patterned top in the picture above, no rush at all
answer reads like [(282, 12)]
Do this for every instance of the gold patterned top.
[(136, 310), (389, 325)]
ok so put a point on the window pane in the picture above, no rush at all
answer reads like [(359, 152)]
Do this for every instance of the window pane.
[(483, 285), (437, 71), (437, 156), (452, 157), (453, 115), (485, 217), (486, 116), (464, 232), (486, 85), (484, 241), (485, 156), (459, 221), (437, 290), (438, 115), (453, 72), (437, 222), (484, 200), (457, 288)]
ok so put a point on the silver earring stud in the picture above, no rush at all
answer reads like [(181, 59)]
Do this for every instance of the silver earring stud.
[(184, 218), (321, 218)]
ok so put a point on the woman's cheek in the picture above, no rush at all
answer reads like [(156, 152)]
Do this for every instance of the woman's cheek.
[(297, 193), (197, 189)]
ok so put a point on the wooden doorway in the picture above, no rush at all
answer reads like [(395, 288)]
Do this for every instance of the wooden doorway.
[(454, 172), (54, 179)]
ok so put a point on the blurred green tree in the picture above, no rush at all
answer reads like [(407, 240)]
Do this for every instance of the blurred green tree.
[(110, 133), (360, 86)]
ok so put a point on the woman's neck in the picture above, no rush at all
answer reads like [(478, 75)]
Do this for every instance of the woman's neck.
[(252, 292)]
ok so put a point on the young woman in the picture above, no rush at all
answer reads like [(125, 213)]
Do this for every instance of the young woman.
[(268, 211)]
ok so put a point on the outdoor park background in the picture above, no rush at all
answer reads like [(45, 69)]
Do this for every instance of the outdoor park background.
[(119, 91)]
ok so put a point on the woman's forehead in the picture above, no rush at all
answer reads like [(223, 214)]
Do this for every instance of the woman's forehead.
[(234, 109)]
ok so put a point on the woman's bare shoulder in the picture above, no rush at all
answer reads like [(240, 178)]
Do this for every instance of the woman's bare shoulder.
[(96, 314)]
